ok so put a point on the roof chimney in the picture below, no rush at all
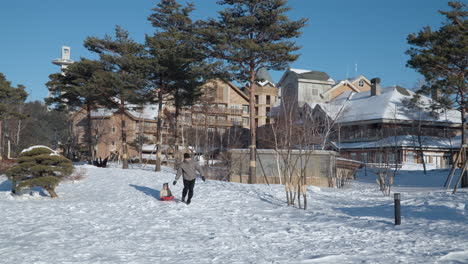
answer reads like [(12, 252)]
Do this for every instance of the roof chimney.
[(375, 86)]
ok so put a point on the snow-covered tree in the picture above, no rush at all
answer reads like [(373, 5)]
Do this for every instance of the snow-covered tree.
[(39, 166)]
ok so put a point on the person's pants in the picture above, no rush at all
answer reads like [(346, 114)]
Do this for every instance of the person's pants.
[(188, 187)]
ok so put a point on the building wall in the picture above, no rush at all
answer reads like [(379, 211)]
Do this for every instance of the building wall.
[(107, 131), (336, 92), (365, 85)]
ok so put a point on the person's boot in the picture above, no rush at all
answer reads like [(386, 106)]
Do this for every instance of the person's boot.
[(188, 202)]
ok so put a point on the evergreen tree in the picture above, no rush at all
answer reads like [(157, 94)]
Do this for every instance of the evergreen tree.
[(123, 81), (441, 56), (177, 61), (39, 167), (249, 35), (76, 88), (10, 97), (44, 127)]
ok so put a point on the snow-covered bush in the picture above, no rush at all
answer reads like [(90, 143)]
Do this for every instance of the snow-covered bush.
[(39, 166)]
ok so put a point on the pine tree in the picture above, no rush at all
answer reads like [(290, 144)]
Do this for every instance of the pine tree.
[(249, 35), (39, 167), (177, 61), (76, 88), (123, 82), (10, 97), (441, 56)]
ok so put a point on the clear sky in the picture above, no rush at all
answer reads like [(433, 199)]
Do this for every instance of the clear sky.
[(339, 35)]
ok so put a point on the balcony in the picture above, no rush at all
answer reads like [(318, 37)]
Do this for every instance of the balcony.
[(215, 122), (216, 110)]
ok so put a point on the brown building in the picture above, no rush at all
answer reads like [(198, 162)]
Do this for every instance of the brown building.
[(222, 106), (139, 125)]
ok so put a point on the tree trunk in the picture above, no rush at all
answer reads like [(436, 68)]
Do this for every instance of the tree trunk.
[(464, 183), (13, 186), (421, 151), (159, 132), (253, 129), (124, 142), (52, 192), (1, 139), (176, 138), (89, 132)]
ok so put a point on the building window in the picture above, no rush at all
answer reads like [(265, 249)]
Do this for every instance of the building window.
[(256, 122), (256, 99), (211, 130), (353, 156), (114, 129), (245, 109), (123, 123), (361, 83), (410, 157), (256, 110), (268, 100), (268, 110), (267, 120), (221, 130), (113, 143), (245, 121), (364, 157)]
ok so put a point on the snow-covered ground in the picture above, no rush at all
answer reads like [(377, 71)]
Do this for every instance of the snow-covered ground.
[(114, 216)]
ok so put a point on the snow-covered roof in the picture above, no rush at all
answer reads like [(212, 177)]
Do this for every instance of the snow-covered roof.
[(312, 75), (102, 112), (389, 105), (404, 141), (149, 111), (299, 71)]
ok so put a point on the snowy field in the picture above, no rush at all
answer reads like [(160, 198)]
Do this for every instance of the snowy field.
[(113, 216)]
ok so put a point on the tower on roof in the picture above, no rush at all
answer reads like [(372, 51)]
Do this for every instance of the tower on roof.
[(65, 60)]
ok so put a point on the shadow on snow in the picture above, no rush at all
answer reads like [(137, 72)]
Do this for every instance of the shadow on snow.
[(148, 191)]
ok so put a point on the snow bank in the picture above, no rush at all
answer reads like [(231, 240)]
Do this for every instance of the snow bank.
[(114, 216)]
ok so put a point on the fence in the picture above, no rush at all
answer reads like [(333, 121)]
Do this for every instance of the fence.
[(319, 166)]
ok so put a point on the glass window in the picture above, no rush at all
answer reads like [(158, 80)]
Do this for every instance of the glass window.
[(410, 157), (268, 101), (245, 109), (256, 99), (364, 156), (361, 83), (245, 121)]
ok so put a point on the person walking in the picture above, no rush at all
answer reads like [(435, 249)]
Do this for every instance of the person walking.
[(187, 170)]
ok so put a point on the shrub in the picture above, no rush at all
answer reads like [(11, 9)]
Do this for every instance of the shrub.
[(39, 167)]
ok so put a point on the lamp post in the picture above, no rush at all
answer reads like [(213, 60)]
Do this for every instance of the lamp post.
[(397, 209)]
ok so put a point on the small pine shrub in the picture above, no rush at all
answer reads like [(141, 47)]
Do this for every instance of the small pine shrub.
[(40, 167)]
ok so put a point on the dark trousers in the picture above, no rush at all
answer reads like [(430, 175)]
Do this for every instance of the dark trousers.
[(188, 187)]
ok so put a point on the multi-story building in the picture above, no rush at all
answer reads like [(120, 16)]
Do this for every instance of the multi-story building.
[(139, 126), (382, 126)]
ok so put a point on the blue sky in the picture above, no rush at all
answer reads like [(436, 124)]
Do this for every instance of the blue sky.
[(340, 34)]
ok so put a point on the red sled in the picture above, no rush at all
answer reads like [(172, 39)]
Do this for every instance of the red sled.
[(167, 198)]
